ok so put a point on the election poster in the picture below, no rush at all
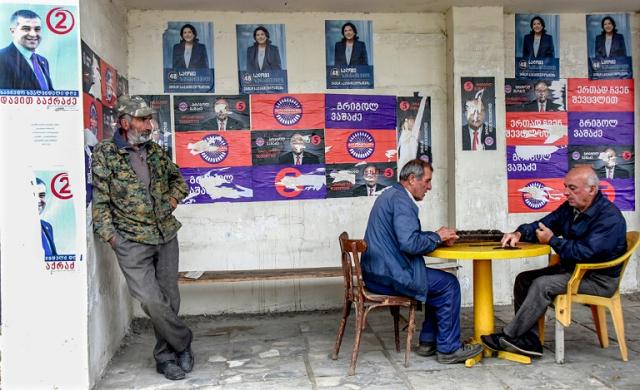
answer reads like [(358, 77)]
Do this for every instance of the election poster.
[(262, 58), (349, 54), (609, 47), (287, 147), (223, 184), (413, 115), (346, 180), (283, 111), (479, 113), (162, 133), (537, 46), (211, 112)]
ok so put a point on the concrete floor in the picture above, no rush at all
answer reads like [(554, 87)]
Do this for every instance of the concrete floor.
[(228, 349)]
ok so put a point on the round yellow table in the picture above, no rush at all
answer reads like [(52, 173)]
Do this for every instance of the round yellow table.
[(482, 253)]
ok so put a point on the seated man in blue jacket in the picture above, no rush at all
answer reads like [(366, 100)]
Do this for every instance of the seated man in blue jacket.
[(587, 228), (393, 263)]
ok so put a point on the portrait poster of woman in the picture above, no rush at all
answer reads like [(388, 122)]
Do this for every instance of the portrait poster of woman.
[(262, 58), (188, 57), (349, 54), (609, 46), (537, 40)]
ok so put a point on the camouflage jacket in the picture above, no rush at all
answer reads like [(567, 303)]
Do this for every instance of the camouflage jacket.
[(121, 202)]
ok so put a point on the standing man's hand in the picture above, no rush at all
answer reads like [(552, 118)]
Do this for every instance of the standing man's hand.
[(447, 236), (174, 203), (510, 239), (112, 241), (543, 233)]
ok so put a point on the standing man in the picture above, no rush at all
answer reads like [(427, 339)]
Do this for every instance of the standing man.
[(136, 187), (298, 155), (222, 122), (393, 263), (541, 103), (476, 134), (587, 228), (20, 66)]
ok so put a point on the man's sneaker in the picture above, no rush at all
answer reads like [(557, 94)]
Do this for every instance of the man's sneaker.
[(467, 351), (427, 349), (527, 344), (492, 341)]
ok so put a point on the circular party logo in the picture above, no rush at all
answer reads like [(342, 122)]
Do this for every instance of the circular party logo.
[(182, 106), (285, 182), (260, 141), (530, 197), (287, 111), (361, 145), (575, 155), (217, 150)]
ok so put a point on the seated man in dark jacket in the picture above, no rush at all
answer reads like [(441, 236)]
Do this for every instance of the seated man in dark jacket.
[(393, 263), (587, 228)]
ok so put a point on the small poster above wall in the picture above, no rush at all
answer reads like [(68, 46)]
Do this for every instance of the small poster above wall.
[(537, 46), (188, 57), (414, 129), (349, 54), (609, 47), (262, 58)]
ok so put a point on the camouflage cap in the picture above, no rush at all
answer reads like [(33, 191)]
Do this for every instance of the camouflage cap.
[(132, 105)]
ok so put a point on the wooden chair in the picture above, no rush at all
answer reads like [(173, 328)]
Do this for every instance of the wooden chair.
[(562, 303), (356, 293)]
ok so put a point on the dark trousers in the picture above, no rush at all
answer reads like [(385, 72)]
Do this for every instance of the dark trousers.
[(534, 290), (441, 311), (151, 272)]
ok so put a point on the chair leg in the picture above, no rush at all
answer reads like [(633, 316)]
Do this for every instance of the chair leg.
[(618, 325), (600, 321), (360, 322), (343, 324), (541, 328), (395, 312), (411, 328), (559, 342)]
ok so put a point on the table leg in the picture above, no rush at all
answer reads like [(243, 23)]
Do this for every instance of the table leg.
[(482, 305)]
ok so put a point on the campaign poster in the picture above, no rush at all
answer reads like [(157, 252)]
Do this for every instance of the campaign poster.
[(360, 179), (600, 95), (57, 219), (535, 95), (211, 112), (92, 118), (284, 112), (478, 113), (533, 161), (609, 46), (223, 184), (287, 182), (537, 46), (205, 149), (162, 132), (109, 83), (413, 115), (54, 67), (109, 122), (187, 54), (355, 146), (531, 195), (122, 87), (287, 147), (360, 112), (601, 128), (349, 54), (262, 58), (91, 78)]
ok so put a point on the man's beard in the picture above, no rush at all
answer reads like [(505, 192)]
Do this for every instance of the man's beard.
[(136, 137)]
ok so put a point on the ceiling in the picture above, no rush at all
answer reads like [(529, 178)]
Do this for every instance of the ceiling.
[(388, 6)]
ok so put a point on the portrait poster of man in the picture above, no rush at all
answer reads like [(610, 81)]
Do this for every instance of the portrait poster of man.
[(609, 46), (413, 114), (535, 95), (262, 58), (287, 147), (109, 122), (53, 193), (35, 55), (211, 112), (537, 46), (187, 52), (123, 85), (349, 54), (109, 83), (162, 132), (478, 113)]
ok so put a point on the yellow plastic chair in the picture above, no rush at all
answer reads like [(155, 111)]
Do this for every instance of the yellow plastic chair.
[(562, 302)]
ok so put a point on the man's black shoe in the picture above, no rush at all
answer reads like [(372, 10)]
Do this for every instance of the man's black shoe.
[(467, 351), (427, 349), (527, 344), (170, 370), (186, 359), (492, 341)]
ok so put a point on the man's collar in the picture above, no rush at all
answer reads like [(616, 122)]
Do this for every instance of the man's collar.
[(24, 51)]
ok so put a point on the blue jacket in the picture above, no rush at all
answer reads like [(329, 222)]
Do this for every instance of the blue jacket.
[(199, 58), (618, 48), (271, 61), (396, 244), (358, 56), (596, 236), (15, 72), (546, 49)]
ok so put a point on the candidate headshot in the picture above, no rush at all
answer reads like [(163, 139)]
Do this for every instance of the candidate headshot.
[(222, 121), (20, 65), (263, 55), (350, 51), (610, 169), (538, 44), (370, 186), (476, 134), (188, 53), (541, 103), (610, 43), (298, 154)]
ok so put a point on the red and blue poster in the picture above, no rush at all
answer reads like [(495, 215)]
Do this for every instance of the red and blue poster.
[(355, 146), (284, 112), (360, 179), (287, 147), (205, 149), (211, 185), (279, 182)]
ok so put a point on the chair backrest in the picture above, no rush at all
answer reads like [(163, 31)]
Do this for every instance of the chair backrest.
[(633, 239), (351, 250)]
